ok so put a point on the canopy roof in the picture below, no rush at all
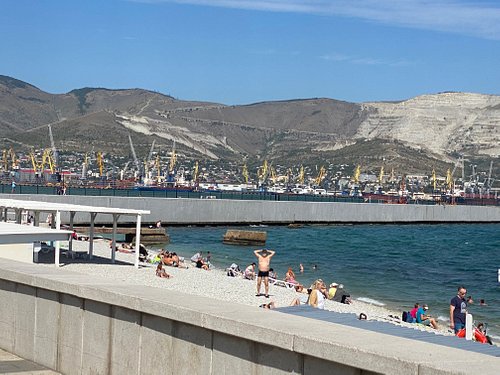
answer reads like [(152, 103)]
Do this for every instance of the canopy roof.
[(49, 207), (36, 206), (11, 233)]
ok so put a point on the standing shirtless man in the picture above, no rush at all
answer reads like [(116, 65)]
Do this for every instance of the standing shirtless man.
[(264, 257)]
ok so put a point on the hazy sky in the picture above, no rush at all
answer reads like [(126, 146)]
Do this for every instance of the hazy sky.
[(245, 51)]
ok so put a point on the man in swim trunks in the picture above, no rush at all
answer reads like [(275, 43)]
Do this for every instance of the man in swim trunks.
[(264, 256)]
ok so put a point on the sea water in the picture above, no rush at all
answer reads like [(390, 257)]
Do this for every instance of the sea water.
[(391, 265)]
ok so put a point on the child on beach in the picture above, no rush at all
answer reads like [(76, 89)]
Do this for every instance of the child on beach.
[(160, 272)]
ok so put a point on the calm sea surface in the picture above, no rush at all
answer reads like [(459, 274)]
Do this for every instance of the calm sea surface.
[(395, 265)]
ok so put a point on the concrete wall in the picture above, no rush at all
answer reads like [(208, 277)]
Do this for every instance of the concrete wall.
[(79, 325), (20, 252), (213, 211)]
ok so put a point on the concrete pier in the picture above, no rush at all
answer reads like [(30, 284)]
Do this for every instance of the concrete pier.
[(74, 324), (175, 211)]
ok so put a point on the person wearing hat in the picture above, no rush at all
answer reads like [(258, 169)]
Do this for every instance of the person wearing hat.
[(425, 319), (332, 290)]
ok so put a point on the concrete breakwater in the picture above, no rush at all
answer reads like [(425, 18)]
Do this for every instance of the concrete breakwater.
[(178, 211)]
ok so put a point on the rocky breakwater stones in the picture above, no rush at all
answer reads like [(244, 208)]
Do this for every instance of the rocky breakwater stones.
[(244, 237)]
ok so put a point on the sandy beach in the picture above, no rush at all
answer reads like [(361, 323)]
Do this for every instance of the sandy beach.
[(213, 284)]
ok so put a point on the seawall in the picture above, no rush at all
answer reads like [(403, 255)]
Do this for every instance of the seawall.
[(179, 211), (79, 325)]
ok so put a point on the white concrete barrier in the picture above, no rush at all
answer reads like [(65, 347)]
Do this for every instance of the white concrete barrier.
[(224, 211), (79, 325)]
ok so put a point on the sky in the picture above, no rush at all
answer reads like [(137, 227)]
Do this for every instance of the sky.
[(247, 51)]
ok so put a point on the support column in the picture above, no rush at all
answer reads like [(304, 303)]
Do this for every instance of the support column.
[(468, 327), (113, 240), (57, 243), (36, 219), (91, 234), (5, 214), (53, 220), (137, 240), (71, 219), (18, 215)]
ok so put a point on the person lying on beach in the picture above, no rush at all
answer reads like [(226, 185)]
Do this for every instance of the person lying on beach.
[(271, 305), (160, 272), (166, 259), (425, 319)]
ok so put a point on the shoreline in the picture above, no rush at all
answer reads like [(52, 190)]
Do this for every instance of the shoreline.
[(217, 285)]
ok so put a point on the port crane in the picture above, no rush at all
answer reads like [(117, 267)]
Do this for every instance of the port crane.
[(262, 172), (136, 161), (195, 173), (357, 173), (449, 180), (459, 162), (100, 163), (489, 181), (381, 175), (5, 160), (173, 161), (39, 166), (301, 175), (244, 172), (147, 162), (55, 154), (321, 176), (434, 180), (273, 177), (85, 166), (14, 162)]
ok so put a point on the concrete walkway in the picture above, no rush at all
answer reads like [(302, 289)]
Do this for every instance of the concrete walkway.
[(11, 364)]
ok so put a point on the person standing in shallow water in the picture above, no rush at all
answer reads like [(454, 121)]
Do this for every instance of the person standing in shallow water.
[(264, 257), (458, 310)]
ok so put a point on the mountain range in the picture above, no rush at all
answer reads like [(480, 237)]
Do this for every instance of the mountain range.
[(412, 136)]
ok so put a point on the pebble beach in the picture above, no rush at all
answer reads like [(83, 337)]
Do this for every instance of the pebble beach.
[(214, 284)]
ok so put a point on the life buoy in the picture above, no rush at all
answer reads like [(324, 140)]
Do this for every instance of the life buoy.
[(478, 335)]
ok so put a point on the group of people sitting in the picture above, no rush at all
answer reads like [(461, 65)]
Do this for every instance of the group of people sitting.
[(419, 315), (171, 259), (318, 293), (166, 258)]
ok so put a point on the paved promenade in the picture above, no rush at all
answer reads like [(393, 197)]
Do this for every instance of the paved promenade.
[(11, 364)]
